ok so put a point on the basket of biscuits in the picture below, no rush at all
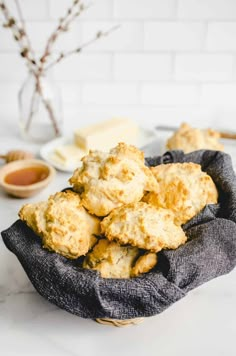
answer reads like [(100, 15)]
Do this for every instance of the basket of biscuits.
[(131, 236)]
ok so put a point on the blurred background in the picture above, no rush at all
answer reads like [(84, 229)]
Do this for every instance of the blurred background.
[(170, 61)]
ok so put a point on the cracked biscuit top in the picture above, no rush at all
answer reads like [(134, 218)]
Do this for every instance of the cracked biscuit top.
[(143, 226), (63, 224), (183, 188), (109, 180)]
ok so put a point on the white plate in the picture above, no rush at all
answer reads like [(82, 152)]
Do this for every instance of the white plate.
[(145, 137)]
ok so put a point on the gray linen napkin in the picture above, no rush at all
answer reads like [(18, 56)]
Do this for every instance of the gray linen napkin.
[(209, 252)]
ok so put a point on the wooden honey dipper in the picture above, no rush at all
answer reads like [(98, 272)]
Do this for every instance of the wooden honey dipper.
[(16, 155)]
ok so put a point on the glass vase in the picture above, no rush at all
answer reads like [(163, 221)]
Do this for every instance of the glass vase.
[(40, 109)]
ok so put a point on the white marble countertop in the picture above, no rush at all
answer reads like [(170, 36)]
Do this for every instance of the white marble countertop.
[(202, 323)]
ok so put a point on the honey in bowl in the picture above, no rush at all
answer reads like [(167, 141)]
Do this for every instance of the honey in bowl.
[(27, 176)]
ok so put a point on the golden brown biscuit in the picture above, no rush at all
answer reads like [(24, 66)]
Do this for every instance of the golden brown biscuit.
[(28, 214), (110, 180), (190, 139), (183, 188), (115, 261), (63, 223), (111, 259), (144, 264), (144, 226)]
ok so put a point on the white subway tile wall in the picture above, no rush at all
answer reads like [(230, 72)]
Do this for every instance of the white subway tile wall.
[(169, 61), (174, 36)]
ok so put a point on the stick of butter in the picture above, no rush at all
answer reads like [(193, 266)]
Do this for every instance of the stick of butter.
[(106, 134), (68, 155)]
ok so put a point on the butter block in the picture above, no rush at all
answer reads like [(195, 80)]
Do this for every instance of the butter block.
[(106, 134)]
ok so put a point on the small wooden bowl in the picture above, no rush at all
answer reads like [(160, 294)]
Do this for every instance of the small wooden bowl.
[(25, 191)]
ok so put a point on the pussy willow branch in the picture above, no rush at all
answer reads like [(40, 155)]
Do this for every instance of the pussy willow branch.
[(23, 25), (72, 13), (19, 35), (99, 35), (27, 52)]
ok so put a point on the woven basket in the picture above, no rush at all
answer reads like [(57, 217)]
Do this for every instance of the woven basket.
[(119, 323)]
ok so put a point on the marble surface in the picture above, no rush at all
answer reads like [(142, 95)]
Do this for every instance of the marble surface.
[(203, 323)]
